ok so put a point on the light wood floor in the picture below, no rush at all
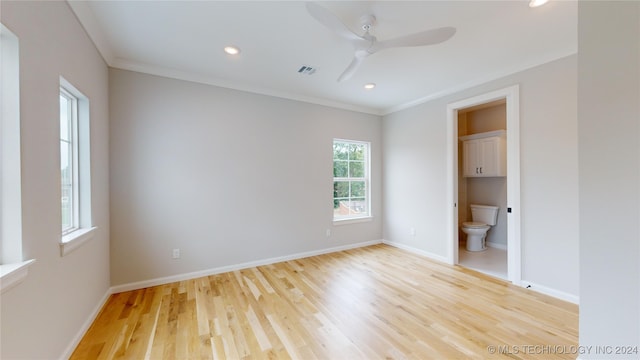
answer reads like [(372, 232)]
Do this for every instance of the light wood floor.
[(368, 303)]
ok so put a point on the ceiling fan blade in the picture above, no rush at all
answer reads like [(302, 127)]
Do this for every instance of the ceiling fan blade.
[(351, 69), (429, 37), (328, 19)]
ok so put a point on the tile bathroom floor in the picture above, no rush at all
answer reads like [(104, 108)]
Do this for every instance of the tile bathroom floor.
[(491, 261)]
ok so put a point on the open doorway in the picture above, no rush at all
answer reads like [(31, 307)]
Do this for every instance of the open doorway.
[(508, 203), (482, 188)]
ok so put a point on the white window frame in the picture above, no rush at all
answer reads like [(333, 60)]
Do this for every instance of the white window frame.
[(13, 267), (72, 142), (366, 216), (82, 228)]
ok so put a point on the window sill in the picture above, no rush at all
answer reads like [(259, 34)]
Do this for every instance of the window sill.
[(352, 220), (13, 274), (76, 239)]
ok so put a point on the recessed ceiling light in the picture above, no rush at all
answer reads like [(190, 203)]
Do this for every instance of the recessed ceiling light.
[(536, 3), (231, 50), (369, 86)]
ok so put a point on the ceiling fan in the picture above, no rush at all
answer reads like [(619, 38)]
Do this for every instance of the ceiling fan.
[(368, 44)]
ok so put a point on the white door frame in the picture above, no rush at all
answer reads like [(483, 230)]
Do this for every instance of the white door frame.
[(511, 95)]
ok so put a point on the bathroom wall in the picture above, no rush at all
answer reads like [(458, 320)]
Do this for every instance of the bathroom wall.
[(485, 119), (486, 191)]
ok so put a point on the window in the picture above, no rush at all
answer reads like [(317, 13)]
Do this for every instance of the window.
[(75, 168), (69, 161), (10, 186), (350, 180), (13, 268)]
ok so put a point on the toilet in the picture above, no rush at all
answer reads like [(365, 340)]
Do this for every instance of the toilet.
[(483, 218)]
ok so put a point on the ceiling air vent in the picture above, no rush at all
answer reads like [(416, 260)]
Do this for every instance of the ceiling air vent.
[(306, 70)]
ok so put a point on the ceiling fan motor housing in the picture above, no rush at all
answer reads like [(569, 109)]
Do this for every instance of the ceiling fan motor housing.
[(367, 21)]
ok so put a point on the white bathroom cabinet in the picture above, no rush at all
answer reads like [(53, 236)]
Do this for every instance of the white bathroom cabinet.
[(484, 154)]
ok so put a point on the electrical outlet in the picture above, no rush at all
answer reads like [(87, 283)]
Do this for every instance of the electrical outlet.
[(175, 254), (413, 231), (328, 232)]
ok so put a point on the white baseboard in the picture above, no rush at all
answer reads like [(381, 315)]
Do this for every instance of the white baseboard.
[(551, 292), (85, 327), (496, 245), (417, 251), (196, 274)]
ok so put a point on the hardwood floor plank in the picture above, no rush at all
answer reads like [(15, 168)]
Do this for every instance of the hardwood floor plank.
[(289, 345), (265, 284), (202, 293), (147, 355), (257, 329), (377, 302)]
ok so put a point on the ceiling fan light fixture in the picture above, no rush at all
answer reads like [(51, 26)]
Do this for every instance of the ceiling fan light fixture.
[(536, 3), (232, 50), (369, 86)]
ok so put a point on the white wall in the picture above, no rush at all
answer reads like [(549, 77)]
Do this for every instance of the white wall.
[(609, 148), (415, 174), (42, 316), (228, 177)]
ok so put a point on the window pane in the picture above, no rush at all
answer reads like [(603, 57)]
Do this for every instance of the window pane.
[(356, 169), (342, 209), (67, 208), (356, 152), (65, 130), (340, 168), (358, 206), (340, 189), (357, 189), (340, 151), (65, 162)]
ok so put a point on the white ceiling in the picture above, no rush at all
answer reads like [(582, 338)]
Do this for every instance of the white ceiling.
[(184, 40)]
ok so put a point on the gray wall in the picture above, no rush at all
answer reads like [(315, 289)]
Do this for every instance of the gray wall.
[(228, 177), (609, 146), (415, 167), (42, 316)]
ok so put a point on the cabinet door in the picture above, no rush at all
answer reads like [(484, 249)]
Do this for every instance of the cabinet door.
[(488, 159), (470, 152)]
